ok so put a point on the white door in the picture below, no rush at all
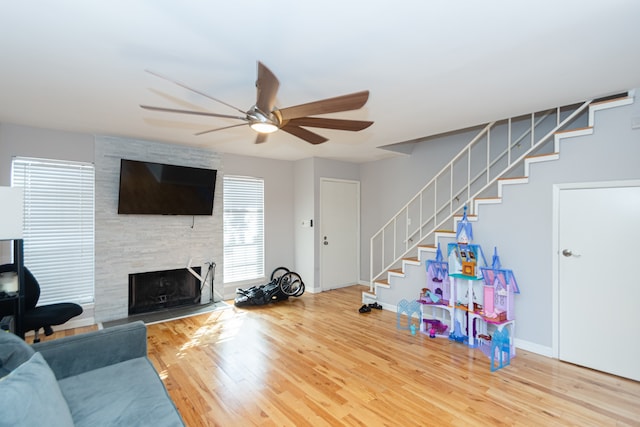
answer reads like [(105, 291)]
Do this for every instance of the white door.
[(339, 233), (599, 278)]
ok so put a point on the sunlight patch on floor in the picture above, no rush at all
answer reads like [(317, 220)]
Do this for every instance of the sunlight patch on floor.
[(221, 326)]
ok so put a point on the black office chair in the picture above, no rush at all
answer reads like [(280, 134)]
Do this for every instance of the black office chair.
[(44, 316)]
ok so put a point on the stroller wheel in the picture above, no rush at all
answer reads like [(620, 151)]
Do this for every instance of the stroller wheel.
[(278, 273), (300, 290), (291, 284)]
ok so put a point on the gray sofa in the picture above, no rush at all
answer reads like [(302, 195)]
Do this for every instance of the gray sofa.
[(100, 378)]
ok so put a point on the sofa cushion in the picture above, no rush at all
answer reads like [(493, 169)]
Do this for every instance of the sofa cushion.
[(30, 396), (128, 393), (13, 352)]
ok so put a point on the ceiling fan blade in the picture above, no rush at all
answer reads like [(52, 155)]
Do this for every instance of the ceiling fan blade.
[(339, 124), (352, 101), (217, 129), (262, 137), (195, 91), (199, 113), (307, 135), (267, 85)]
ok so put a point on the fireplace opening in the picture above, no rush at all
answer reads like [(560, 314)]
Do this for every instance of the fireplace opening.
[(157, 290)]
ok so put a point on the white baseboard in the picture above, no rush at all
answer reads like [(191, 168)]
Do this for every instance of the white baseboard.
[(533, 347)]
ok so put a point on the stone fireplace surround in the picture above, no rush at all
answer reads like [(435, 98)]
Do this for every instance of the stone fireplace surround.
[(126, 244)]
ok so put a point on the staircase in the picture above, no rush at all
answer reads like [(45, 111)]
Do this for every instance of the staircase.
[(500, 154)]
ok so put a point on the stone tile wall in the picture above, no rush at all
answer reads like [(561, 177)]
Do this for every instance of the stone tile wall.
[(127, 244)]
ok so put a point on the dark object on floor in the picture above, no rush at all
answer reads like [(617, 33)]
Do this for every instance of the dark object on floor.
[(44, 316), (375, 305), (365, 309), (283, 284)]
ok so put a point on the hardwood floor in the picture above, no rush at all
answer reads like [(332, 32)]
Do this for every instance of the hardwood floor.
[(61, 333), (316, 361)]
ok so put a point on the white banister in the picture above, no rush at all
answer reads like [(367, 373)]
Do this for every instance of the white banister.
[(463, 196)]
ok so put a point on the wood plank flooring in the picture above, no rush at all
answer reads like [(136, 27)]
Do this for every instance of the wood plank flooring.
[(316, 361)]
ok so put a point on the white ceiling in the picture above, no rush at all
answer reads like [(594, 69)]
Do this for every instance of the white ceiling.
[(431, 66)]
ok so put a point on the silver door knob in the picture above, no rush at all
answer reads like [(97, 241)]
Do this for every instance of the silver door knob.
[(568, 253)]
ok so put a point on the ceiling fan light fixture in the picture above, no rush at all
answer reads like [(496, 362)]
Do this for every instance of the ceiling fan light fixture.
[(262, 127), (261, 122)]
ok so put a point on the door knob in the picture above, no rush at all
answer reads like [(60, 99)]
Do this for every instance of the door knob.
[(568, 253)]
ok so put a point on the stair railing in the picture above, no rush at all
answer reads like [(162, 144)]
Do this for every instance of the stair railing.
[(446, 193)]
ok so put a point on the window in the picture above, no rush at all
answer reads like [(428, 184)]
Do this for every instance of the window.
[(243, 228), (58, 227)]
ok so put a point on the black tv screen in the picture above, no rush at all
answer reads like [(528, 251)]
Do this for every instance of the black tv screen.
[(161, 189)]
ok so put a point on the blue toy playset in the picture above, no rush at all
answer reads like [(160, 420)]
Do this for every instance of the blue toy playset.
[(408, 309), (499, 288), (464, 295), (437, 291), (500, 349)]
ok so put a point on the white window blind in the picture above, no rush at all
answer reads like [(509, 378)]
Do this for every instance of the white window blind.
[(243, 228), (58, 227)]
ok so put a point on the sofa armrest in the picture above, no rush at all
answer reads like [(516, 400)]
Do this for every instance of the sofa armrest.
[(76, 354)]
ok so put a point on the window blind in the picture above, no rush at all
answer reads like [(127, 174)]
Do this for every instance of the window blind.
[(243, 228), (58, 227)]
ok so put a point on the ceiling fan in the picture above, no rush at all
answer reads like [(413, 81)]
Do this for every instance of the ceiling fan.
[(264, 117)]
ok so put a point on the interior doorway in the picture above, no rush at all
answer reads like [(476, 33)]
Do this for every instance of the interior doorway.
[(339, 233), (597, 290)]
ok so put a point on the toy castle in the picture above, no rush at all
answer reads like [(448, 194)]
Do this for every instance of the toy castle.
[(472, 300)]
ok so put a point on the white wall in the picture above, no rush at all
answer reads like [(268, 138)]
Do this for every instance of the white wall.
[(304, 210), (25, 141)]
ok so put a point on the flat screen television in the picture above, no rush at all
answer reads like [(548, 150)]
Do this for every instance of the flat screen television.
[(161, 189)]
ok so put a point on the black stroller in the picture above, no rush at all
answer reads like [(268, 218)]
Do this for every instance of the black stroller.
[(283, 284)]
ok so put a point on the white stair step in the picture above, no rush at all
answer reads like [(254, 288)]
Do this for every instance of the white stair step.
[(539, 159), (411, 261), (395, 273), (558, 136), (510, 181), (486, 201), (603, 105)]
